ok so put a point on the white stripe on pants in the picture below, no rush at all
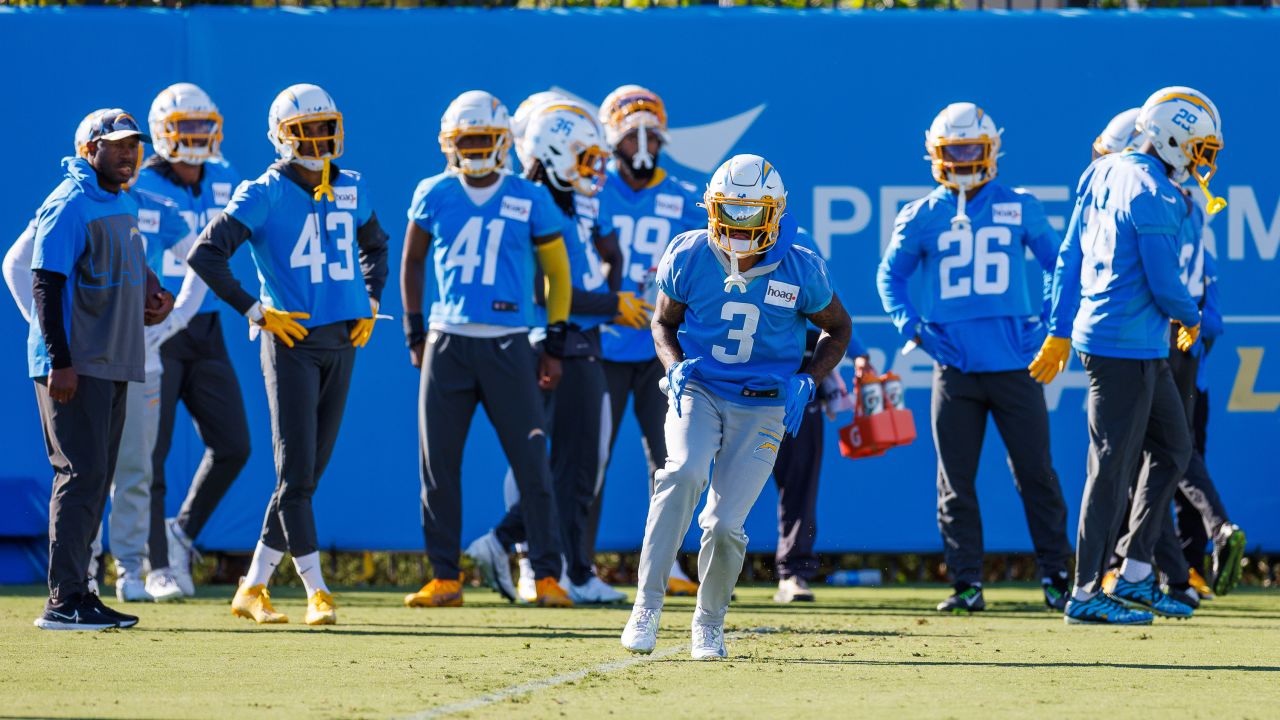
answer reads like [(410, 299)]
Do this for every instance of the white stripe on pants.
[(742, 441)]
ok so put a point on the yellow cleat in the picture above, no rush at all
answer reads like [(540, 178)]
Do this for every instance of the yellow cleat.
[(1201, 587), (550, 594), (321, 609), (1109, 581), (677, 587), (437, 593), (254, 603)]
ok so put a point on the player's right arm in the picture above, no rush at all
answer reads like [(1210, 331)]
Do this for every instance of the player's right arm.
[(59, 241), (668, 316), (210, 256), (413, 263), (1055, 352), (900, 261)]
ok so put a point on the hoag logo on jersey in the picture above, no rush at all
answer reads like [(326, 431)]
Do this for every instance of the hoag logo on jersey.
[(668, 205), (345, 197), (221, 192), (781, 294), (517, 209), (148, 220), (1007, 213)]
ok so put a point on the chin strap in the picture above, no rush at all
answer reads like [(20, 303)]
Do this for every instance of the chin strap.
[(1213, 205), (324, 189), (960, 221), (735, 281)]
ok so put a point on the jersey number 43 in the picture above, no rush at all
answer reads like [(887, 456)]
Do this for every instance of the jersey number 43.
[(308, 253)]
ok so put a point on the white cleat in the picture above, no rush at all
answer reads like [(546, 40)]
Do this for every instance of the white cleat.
[(595, 592), (180, 550), (707, 642), (793, 589), (641, 633), (162, 586), (494, 564), (131, 588), (527, 585)]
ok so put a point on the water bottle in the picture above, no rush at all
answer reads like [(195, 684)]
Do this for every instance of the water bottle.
[(872, 397), (855, 578), (893, 392)]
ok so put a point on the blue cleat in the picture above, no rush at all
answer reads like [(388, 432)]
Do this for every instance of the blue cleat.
[(1101, 609), (1146, 595)]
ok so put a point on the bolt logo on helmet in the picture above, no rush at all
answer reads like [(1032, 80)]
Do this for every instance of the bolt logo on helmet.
[(529, 107), (185, 125), (1118, 135), (963, 143), (744, 201), (475, 133), (566, 140), (305, 127), (1185, 129), (634, 108)]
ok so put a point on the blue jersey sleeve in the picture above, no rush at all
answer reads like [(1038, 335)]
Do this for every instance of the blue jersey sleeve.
[(1155, 218), (1211, 323), (364, 203), (546, 218), (671, 272), (900, 261), (1156, 213), (604, 219), (1044, 242), (816, 293), (60, 237), (160, 221), (250, 205), (1066, 277), (694, 215), (857, 348), (419, 209)]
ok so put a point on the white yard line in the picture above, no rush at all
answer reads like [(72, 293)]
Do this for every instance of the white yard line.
[(535, 685)]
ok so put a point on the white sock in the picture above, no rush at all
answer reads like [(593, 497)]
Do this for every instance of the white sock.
[(308, 567), (1081, 596), (526, 568), (677, 572), (1135, 570), (264, 563)]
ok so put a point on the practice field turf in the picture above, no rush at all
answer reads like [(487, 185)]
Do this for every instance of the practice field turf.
[(856, 652)]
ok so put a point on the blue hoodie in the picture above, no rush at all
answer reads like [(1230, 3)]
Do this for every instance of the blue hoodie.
[(91, 236)]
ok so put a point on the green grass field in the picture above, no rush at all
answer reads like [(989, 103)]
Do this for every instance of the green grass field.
[(871, 652)]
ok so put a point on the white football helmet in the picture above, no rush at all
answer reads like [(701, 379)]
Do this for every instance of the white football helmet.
[(963, 143), (185, 125), (476, 114), (1185, 129), (295, 107), (566, 140), (1118, 135), (525, 111), (744, 201), (634, 108)]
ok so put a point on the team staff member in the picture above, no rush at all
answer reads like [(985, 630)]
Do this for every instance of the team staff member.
[(306, 222), (649, 207), (86, 343), (1116, 286), (981, 325), (188, 169)]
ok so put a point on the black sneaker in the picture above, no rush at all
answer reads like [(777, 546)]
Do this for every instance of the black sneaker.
[(1056, 590), (966, 599), (75, 613), (1228, 551), (122, 620), (1184, 594)]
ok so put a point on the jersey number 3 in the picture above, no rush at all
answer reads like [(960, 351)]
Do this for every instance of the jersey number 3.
[(307, 252), (990, 266), (745, 335)]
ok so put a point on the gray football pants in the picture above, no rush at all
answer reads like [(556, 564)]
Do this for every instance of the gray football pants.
[(1135, 414), (742, 442), (130, 518)]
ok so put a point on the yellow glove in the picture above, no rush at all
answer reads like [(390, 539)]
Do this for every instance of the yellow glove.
[(633, 312), (284, 325), (1187, 336), (1051, 360), (363, 328)]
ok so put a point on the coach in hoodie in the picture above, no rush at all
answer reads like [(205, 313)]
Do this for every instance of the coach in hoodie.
[(90, 287)]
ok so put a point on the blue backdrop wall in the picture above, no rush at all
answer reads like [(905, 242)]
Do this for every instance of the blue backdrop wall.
[(838, 102)]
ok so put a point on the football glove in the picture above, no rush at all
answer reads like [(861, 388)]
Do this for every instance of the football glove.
[(363, 328), (1051, 360), (678, 376), (283, 324), (1187, 336), (633, 312), (800, 389)]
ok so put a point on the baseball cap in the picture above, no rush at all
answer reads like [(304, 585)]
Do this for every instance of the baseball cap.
[(115, 124)]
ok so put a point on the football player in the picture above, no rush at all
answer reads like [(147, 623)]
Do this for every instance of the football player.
[(981, 324), (322, 257), (649, 207), (483, 226), (188, 169), (730, 329), (1116, 286), (563, 151)]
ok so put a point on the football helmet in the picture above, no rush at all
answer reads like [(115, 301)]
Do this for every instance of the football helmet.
[(634, 108), (1185, 129), (744, 201), (566, 140), (475, 114), (1118, 135), (293, 109), (963, 144), (185, 125), (525, 111)]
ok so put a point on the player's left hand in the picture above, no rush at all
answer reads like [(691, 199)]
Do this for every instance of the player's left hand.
[(678, 376), (363, 328), (158, 306), (800, 389), (1051, 360), (1187, 336), (633, 312)]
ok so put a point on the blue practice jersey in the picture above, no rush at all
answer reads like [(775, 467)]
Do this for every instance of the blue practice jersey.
[(483, 255), (217, 184), (750, 343), (305, 250), (647, 220), (163, 226), (1191, 250), (803, 239), (587, 273), (974, 282), (1118, 279)]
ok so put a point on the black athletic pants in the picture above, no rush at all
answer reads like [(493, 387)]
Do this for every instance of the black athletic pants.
[(307, 394), (796, 474), (198, 371), (459, 373), (960, 405), (1192, 523), (82, 438)]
